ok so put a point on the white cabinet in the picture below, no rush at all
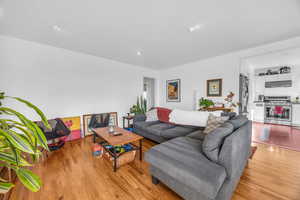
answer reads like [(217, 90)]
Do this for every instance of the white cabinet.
[(258, 112), (296, 115), (259, 85)]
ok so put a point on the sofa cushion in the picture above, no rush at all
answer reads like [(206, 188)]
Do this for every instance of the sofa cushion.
[(198, 135), (163, 114), (144, 125), (182, 159), (213, 141), (151, 115), (158, 128), (176, 131), (238, 121)]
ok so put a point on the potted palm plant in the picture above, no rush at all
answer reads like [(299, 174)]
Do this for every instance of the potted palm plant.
[(21, 142), (140, 107)]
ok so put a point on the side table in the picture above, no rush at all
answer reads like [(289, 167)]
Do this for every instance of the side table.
[(127, 118)]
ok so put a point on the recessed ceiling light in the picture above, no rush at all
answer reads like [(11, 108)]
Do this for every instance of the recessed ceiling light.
[(195, 27), (56, 28), (139, 53)]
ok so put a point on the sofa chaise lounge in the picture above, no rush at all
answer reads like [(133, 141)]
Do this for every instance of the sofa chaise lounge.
[(203, 167)]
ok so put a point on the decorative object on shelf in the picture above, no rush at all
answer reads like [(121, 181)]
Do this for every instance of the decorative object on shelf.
[(140, 107), (285, 70), (214, 88), (229, 101), (21, 144), (73, 123), (205, 103), (87, 118), (173, 90), (275, 71)]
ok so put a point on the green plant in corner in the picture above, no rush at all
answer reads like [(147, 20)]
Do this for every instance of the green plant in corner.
[(140, 107), (205, 103), (20, 143)]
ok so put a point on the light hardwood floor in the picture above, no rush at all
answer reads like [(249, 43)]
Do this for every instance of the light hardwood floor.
[(72, 173)]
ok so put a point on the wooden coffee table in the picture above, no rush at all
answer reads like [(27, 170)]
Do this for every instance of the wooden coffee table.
[(127, 137)]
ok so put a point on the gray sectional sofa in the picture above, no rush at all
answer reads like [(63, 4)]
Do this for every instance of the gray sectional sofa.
[(199, 167), (160, 131)]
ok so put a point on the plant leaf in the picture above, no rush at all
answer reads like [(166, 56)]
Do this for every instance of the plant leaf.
[(29, 179), (37, 110), (5, 187), (26, 132), (17, 141), (31, 125), (10, 158)]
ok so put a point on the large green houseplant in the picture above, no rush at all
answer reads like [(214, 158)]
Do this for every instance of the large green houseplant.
[(21, 141), (140, 107)]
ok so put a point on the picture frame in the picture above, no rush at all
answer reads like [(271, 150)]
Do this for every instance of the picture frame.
[(214, 88), (86, 120), (173, 88)]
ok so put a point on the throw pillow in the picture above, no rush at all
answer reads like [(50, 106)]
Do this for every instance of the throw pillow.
[(151, 115), (214, 122), (163, 114)]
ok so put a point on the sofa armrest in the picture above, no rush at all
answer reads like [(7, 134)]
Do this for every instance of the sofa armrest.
[(139, 118)]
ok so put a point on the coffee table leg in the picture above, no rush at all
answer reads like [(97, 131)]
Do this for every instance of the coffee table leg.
[(141, 149)]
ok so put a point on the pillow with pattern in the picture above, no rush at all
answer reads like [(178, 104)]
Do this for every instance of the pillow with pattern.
[(214, 122), (151, 115)]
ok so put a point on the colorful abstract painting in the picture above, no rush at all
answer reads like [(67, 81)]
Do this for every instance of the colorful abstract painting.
[(73, 123)]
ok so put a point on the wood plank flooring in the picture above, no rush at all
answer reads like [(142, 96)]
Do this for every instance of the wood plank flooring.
[(72, 173)]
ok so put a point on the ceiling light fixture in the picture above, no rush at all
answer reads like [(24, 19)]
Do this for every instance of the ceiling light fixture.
[(56, 28), (196, 27), (139, 53)]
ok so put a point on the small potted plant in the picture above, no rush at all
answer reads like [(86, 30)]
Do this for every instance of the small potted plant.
[(205, 103)]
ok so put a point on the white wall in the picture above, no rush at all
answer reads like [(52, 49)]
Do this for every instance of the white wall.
[(194, 75), (193, 80), (65, 83)]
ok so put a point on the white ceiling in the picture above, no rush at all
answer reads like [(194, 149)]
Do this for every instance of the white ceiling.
[(117, 29)]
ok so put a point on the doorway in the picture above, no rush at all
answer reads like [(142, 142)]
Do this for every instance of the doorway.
[(149, 91)]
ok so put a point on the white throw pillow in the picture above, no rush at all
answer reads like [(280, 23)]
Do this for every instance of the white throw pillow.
[(192, 118), (151, 115)]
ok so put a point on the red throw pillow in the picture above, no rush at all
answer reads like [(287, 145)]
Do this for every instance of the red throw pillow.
[(163, 114)]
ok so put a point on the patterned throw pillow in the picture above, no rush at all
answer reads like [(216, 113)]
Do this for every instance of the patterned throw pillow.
[(151, 115), (214, 122)]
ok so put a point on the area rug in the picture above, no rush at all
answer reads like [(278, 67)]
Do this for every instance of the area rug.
[(280, 135)]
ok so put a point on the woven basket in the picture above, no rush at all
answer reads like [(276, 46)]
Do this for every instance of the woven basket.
[(125, 158)]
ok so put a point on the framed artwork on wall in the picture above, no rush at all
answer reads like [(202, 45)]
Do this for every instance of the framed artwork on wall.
[(173, 90), (214, 88), (87, 118)]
